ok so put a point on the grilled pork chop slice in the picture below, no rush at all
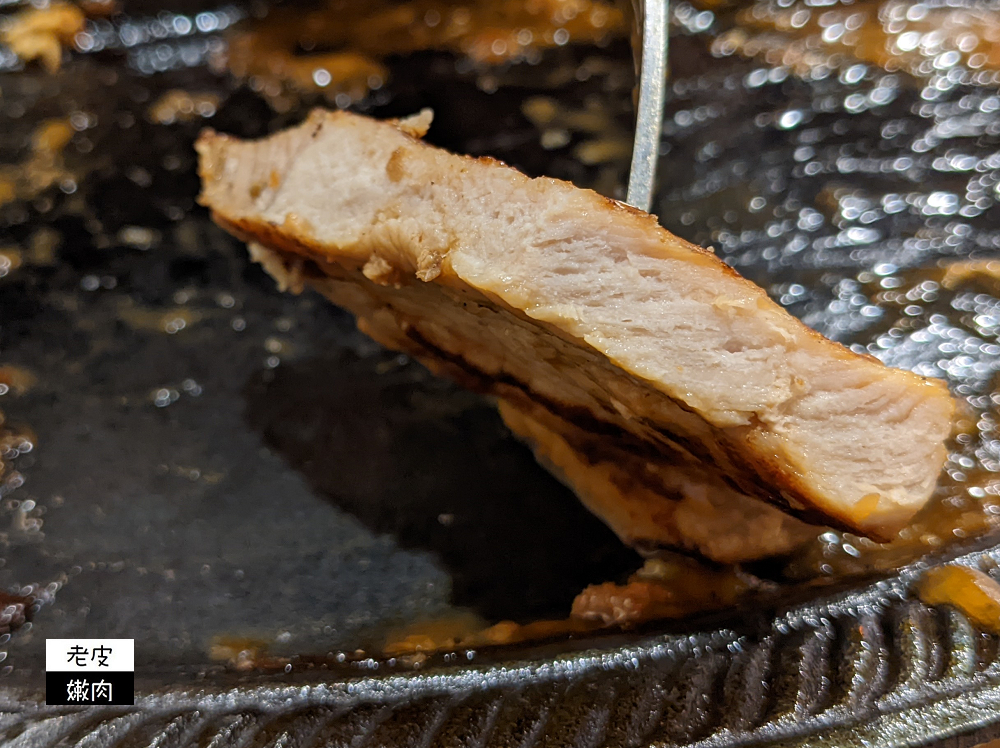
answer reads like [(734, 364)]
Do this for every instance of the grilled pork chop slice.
[(566, 304)]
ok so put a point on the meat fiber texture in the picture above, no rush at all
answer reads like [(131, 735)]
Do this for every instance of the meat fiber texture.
[(685, 408)]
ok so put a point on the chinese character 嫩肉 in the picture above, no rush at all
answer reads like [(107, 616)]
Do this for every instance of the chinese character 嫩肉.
[(76, 690), (100, 690)]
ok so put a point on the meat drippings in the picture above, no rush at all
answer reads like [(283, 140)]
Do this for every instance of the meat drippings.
[(286, 54), (668, 587), (973, 592), (671, 587)]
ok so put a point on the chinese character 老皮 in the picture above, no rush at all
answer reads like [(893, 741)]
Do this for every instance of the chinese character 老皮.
[(79, 654), (76, 690), (100, 654), (100, 690)]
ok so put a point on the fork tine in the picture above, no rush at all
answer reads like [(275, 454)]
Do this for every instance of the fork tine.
[(651, 17)]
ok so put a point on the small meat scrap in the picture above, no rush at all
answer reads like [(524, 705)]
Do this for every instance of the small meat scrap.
[(973, 592), (43, 168), (608, 340), (42, 33), (663, 588), (178, 105)]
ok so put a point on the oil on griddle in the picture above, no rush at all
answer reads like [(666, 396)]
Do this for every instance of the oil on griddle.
[(215, 459)]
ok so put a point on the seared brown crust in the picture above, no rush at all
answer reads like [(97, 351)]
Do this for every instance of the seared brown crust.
[(654, 504), (410, 296)]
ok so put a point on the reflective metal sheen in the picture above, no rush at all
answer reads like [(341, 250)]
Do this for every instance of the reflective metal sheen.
[(651, 19)]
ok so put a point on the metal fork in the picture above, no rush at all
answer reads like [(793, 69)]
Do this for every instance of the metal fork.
[(650, 40)]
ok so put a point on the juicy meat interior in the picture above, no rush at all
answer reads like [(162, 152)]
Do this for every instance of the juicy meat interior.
[(609, 340)]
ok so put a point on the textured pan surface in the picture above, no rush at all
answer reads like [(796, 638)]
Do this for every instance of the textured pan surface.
[(868, 667), (263, 470)]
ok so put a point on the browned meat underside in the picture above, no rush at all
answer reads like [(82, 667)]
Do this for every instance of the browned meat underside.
[(680, 403)]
